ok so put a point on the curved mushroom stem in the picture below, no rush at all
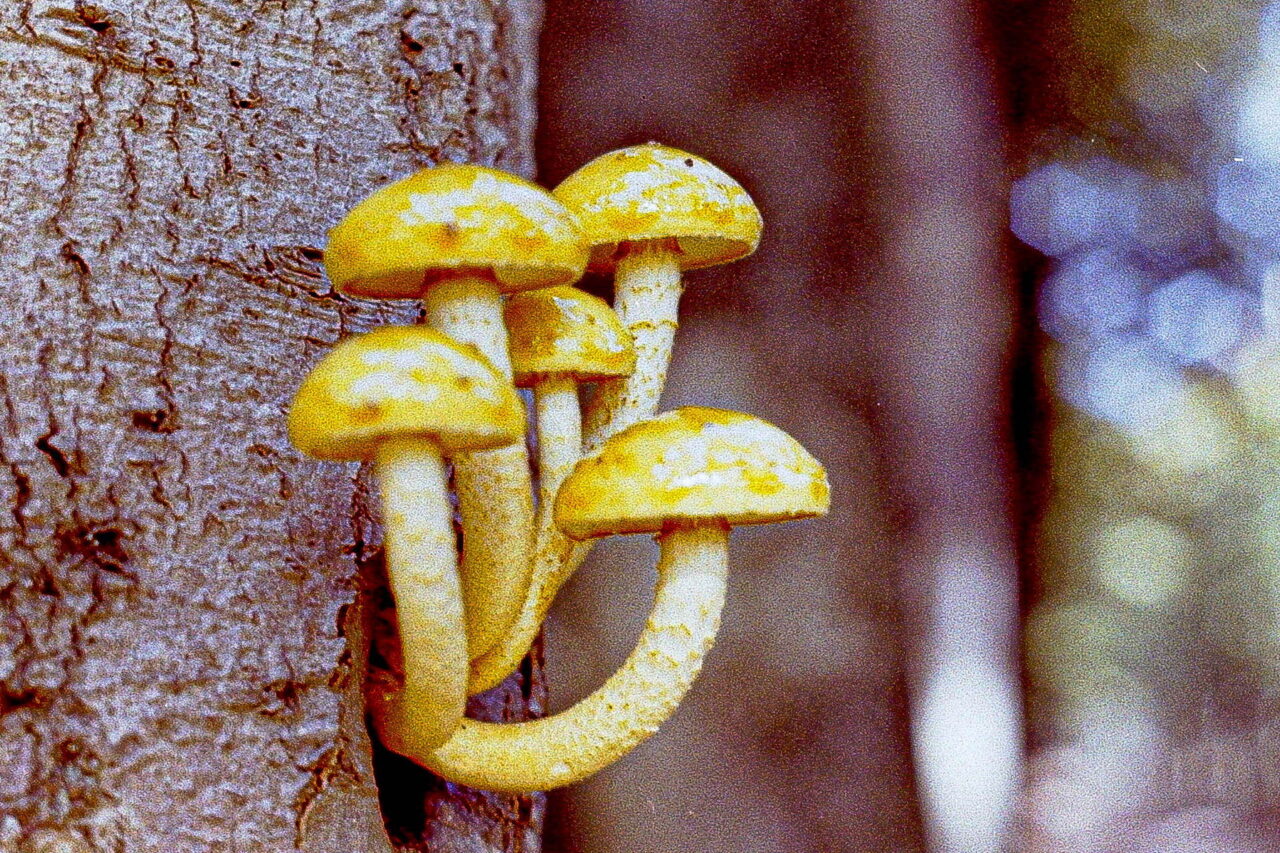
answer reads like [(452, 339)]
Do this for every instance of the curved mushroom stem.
[(422, 569), (495, 489), (495, 497), (552, 565), (629, 707), (559, 448), (552, 568), (647, 292)]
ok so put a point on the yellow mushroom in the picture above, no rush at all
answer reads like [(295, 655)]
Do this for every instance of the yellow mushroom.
[(560, 336), (649, 212), (458, 237), (687, 476), (402, 396)]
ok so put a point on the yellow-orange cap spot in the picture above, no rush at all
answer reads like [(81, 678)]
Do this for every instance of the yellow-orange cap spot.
[(400, 381), (563, 331), (454, 218), (652, 192), (693, 465)]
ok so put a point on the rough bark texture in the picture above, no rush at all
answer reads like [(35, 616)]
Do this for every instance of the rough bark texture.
[(180, 659)]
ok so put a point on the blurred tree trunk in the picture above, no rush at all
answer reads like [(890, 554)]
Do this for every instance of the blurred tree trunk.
[(941, 346), (181, 663)]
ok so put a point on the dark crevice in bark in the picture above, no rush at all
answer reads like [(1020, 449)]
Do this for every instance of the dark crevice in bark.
[(423, 812), (56, 457), (101, 544)]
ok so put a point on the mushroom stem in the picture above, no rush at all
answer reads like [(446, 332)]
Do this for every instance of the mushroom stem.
[(552, 564), (495, 499), (422, 569), (559, 448), (559, 425), (628, 708), (647, 292), (495, 490), (468, 308)]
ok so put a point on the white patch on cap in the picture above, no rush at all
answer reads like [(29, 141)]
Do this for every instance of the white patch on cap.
[(436, 208), (392, 386), (571, 311), (475, 206), (612, 340), (717, 457), (642, 189)]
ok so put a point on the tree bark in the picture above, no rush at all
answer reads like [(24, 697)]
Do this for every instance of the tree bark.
[(183, 632)]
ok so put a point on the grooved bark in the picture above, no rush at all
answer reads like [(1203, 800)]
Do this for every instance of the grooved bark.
[(181, 662)]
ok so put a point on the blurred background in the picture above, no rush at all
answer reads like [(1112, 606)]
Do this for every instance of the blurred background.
[(1148, 172), (1020, 291), (874, 325)]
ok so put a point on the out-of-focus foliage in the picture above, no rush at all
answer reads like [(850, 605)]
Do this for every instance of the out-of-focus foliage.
[(1154, 642)]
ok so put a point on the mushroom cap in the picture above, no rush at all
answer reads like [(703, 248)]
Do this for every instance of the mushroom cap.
[(454, 218), (402, 381), (691, 466), (564, 331), (652, 192)]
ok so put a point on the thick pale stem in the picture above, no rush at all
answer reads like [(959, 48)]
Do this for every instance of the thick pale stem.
[(495, 490), (422, 569), (495, 497), (640, 696), (559, 448), (468, 308), (647, 299), (552, 565), (559, 437)]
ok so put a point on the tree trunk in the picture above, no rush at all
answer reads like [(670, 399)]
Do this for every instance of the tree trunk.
[(183, 634)]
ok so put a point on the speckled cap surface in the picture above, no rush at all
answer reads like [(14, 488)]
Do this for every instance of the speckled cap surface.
[(400, 381), (564, 331), (694, 465), (652, 192), (454, 218)]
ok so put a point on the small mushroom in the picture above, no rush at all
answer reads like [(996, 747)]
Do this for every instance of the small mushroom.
[(403, 396), (649, 212), (688, 476), (560, 336), (458, 237)]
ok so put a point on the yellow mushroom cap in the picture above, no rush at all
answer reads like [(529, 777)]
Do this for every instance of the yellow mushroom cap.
[(454, 218), (693, 465), (564, 331), (652, 192), (402, 381)]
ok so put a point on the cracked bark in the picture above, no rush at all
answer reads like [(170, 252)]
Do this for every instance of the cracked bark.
[(184, 601)]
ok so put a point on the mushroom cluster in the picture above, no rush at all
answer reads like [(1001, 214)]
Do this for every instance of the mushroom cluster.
[(493, 258)]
